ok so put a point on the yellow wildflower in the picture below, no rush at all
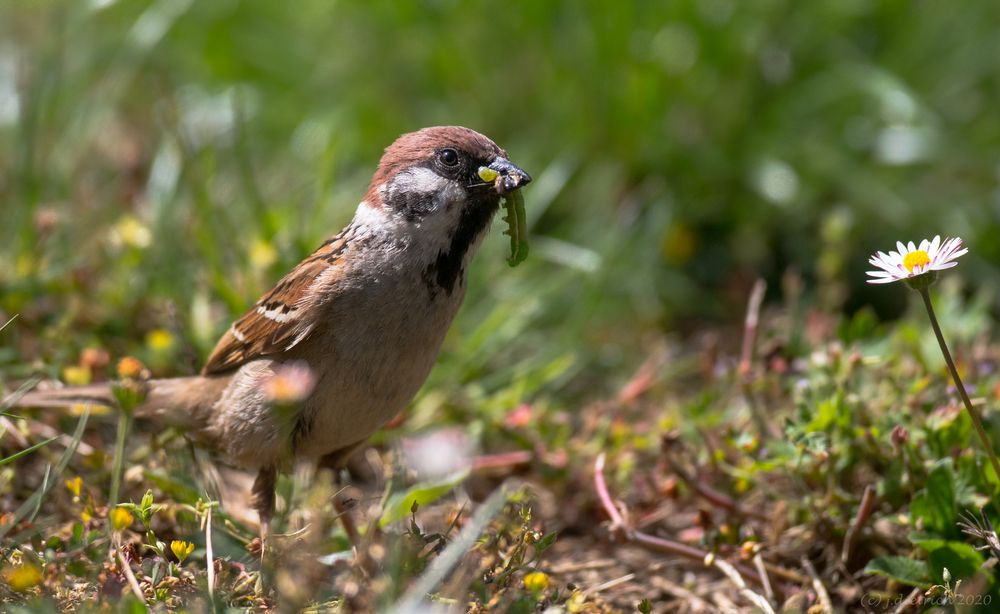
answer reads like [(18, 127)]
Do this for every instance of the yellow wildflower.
[(23, 577), (536, 582), (262, 254), (181, 549), (131, 232), (78, 409), (76, 376), (121, 518), (160, 340), (75, 485)]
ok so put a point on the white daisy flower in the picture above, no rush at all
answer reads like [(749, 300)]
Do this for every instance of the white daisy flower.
[(912, 261)]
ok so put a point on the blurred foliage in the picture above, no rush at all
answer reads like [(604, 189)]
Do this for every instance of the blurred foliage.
[(164, 162), (169, 160)]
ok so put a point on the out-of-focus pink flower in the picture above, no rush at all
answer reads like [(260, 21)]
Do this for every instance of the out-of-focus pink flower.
[(291, 383), (438, 454), (521, 416)]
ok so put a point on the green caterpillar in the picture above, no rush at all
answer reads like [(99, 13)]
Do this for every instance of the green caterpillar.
[(517, 229)]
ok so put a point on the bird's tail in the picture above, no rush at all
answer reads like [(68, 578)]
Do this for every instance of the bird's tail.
[(93, 394), (184, 402)]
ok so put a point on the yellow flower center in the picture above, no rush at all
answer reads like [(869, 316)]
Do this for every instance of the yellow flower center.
[(915, 259)]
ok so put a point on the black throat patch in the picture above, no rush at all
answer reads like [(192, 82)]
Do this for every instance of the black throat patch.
[(447, 269)]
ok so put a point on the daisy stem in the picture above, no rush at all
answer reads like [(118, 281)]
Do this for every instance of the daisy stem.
[(973, 413)]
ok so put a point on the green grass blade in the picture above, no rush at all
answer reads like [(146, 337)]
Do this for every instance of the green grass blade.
[(13, 399), (7, 323), (440, 567), (35, 500), (26, 451)]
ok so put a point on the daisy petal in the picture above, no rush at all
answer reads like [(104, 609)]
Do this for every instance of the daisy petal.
[(935, 245), (888, 268)]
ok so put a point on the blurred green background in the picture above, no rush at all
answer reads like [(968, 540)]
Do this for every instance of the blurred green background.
[(164, 162)]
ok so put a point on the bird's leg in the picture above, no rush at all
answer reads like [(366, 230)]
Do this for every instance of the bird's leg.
[(347, 521), (262, 499), (335, 462)]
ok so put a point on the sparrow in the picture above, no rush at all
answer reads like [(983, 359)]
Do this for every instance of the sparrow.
[(366, 313)]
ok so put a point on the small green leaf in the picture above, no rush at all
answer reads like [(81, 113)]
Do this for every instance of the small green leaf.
[(545, 543), (901, 569), (960, 559), (399, 504), (830, 412), (936, 505)]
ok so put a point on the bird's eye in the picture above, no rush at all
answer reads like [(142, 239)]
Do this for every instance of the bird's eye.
[(448, 157)]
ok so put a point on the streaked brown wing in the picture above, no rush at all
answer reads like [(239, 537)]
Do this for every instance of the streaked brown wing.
[(285, 316)]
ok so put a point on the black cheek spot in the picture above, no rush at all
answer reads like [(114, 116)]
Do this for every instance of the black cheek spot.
[(413, 206)]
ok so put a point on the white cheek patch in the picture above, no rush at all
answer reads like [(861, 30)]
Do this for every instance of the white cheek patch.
[(418, 179), (376, 219), (421, 208)]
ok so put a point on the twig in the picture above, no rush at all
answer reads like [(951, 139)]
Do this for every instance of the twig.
[(824, 597), (745, 369), (787, 574), (694, 601), (758, 563), (865, 510), (609, 584), (617, 523), (9, 428), (44, 430), (908, 602), (641, 381), (652, 542), (502, 459), (127, 570), (724, 604), (750, 326), (707, 492), (585, 565), (734, 576)]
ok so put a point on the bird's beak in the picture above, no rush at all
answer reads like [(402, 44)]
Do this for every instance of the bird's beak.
[(504, 175)]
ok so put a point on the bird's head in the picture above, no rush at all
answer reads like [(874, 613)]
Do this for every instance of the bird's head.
[(437, 190), (438, 176)]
